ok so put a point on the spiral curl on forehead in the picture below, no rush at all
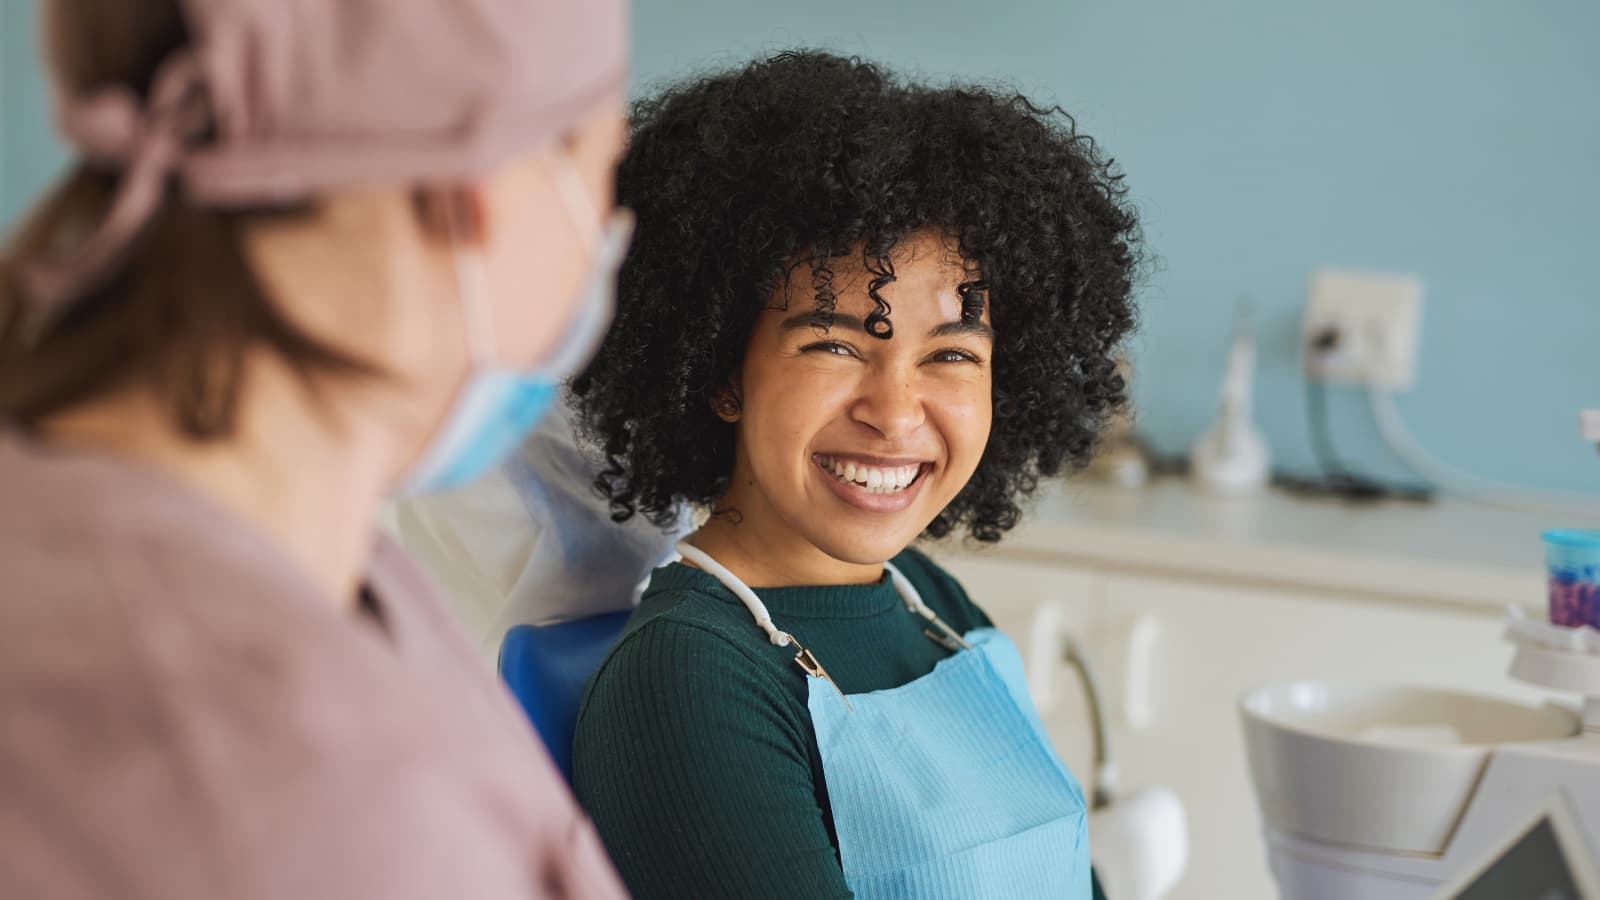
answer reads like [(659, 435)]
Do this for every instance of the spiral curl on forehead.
[(881, 267), (822, 290), (974, 294)]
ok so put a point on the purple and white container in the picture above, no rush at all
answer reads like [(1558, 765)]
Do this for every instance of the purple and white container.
[(1573, 558)]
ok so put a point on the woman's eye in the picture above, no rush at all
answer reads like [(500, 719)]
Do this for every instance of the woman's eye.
[(954, 356), (833, 347)]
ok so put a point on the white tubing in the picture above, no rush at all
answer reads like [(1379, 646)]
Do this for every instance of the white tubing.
[(731, 582), (1455, 481)]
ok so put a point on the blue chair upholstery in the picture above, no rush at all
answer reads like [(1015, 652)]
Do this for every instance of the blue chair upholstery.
[(547, 666)]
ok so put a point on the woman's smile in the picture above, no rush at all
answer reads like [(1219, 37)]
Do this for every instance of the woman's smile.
[(872, 484)]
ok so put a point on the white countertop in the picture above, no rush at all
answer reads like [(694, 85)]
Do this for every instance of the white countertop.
[(1450, 552)]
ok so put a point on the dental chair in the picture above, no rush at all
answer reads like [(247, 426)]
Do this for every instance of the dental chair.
[(1139, 843), (547, 666)]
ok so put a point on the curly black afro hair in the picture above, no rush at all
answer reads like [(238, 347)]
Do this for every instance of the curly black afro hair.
[(743, 178)]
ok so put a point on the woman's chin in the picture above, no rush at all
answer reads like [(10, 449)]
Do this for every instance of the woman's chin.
[(871, 548)]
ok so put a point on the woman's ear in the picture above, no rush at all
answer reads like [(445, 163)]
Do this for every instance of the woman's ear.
[(454, 214), (728, 402)]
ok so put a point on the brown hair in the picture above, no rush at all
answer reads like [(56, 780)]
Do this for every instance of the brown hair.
[(181, 308)]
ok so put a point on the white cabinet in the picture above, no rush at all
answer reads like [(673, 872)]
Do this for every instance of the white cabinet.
[(1214, 641)]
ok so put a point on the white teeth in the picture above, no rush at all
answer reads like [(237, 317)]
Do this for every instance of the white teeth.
[(871, 479)]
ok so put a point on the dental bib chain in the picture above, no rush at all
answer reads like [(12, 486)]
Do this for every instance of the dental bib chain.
[(945, 636)]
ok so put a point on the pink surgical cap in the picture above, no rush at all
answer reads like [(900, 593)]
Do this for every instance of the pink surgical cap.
[(277, 100)]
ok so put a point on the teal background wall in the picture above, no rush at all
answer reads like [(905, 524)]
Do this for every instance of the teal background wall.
[(1455, 139), (29, 153)]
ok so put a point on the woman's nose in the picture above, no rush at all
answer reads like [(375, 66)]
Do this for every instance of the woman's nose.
[(890, 402)]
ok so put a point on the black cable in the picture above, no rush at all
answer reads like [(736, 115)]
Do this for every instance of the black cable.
[(1335, 478), (1317, 421), (1338, 479)]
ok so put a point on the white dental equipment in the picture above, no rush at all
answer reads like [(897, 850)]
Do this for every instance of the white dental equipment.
[(1386, 792), (1232, 458)]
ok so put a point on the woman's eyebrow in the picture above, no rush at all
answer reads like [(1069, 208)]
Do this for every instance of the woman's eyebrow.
[(824, 321), (979, 329)]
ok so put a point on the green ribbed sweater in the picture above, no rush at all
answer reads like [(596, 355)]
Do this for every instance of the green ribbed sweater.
[(695, 752)]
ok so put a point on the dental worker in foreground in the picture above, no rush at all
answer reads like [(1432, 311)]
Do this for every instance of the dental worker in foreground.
[(311, 253)]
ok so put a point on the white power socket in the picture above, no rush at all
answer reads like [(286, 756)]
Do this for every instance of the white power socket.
[(1362, 328)]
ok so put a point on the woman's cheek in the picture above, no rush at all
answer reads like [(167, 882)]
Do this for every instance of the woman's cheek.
[(966, 434), (969, 412)]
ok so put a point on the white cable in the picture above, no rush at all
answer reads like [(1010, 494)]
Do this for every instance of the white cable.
[(1455, 481), (1589, 421)]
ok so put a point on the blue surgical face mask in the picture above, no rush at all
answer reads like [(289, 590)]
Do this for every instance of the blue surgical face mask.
[(498, 406)]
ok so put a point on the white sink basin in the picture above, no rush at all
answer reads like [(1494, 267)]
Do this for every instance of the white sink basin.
[(1379, 767)]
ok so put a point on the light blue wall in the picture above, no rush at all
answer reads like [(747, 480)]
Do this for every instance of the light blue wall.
[(1457, 139), (29, 153)]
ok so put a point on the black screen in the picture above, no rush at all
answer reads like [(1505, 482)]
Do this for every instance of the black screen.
[(1534, 868)]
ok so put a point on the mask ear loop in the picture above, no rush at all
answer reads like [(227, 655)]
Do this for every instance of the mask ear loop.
[(472, 296), (576, 198), (605, 243), (588, 327)]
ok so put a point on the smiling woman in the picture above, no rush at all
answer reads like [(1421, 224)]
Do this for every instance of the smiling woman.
[(861, 440), (889, 315)]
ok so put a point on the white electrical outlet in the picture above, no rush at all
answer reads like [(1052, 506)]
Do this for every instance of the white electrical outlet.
[(1362, 328)]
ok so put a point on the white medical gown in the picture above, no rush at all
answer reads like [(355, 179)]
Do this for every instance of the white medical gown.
[(532, 541)]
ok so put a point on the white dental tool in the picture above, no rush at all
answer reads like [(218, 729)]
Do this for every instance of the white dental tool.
[(1232, 458)]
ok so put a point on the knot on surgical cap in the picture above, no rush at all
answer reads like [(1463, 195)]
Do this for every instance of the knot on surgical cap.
[(277, 101), (147, 141)]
